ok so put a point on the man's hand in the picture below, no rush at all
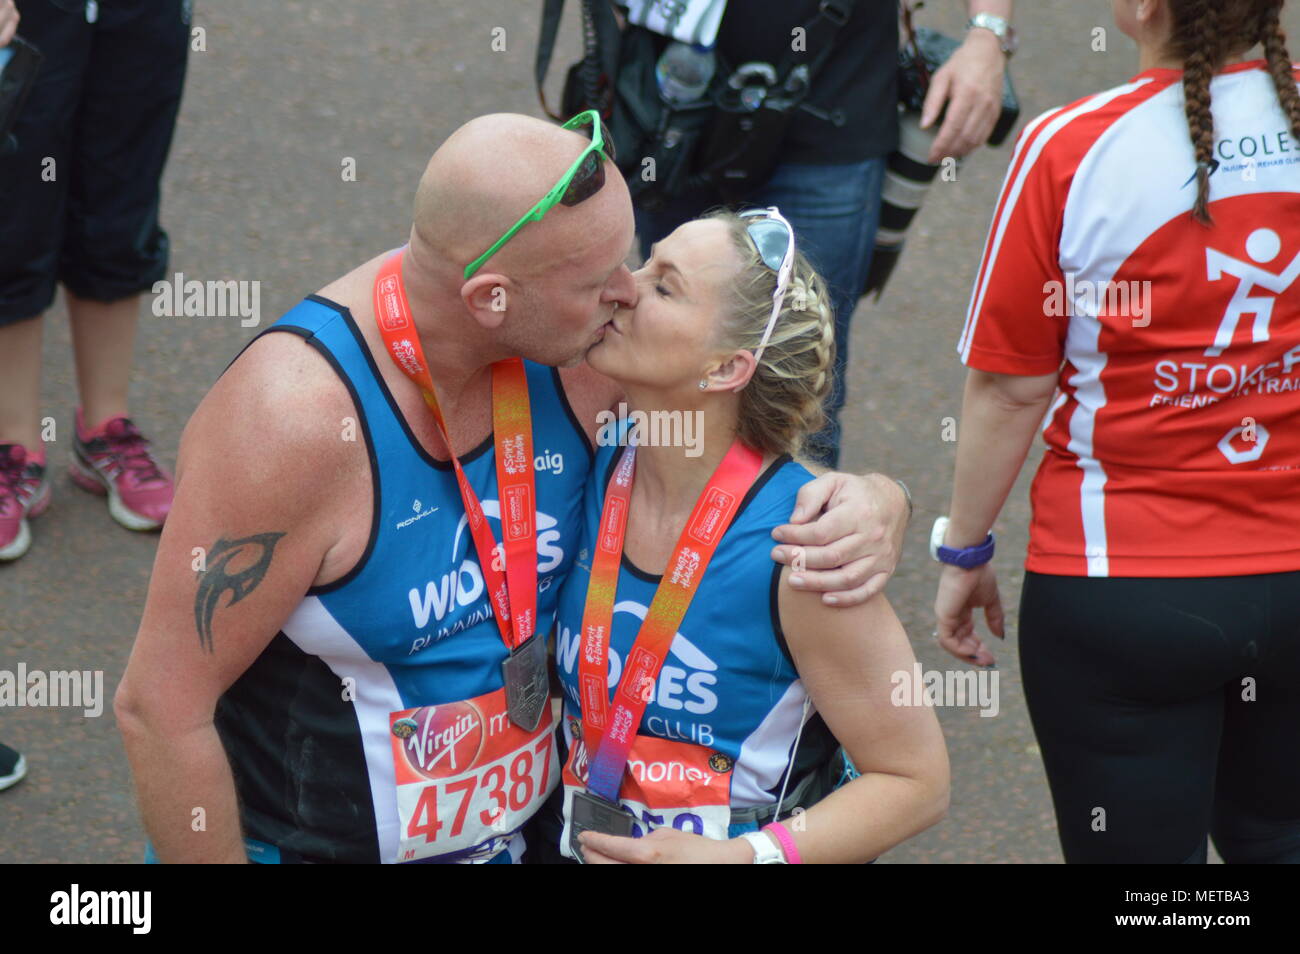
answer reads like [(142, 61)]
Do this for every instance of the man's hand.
[(970, 83), (844, 536), (960, 592), (663, 846), (8, 22)]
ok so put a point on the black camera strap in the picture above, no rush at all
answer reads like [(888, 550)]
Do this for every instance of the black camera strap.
[(600, 45), (820, 34)]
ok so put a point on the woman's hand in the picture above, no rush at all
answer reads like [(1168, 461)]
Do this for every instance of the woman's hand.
[(663, 846), (844, 536), (960, 592), (8, 22)]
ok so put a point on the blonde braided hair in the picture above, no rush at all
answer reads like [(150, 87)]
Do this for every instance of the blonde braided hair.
[(781, 406)]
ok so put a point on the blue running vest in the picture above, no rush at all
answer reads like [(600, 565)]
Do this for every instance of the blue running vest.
[(719, 734), (311, 727)]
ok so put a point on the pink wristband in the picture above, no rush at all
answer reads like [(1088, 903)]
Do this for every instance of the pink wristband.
[(779, 832)]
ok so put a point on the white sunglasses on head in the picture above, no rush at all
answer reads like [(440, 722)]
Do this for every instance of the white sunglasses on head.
[(773, 237)]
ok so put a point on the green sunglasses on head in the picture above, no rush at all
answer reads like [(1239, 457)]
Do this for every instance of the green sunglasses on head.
[(584, 179)]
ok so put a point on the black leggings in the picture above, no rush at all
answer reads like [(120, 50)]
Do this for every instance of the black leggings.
[(1135, 688)]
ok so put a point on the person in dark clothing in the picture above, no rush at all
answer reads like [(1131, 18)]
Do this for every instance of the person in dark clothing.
[(832, 161), (80, 195)]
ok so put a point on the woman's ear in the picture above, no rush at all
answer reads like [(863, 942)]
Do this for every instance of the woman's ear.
[(734, 373), (487, 298), (1149, 12)]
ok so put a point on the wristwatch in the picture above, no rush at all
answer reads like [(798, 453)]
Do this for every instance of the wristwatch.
[(1000, 28), (766, 850), (967, 558)]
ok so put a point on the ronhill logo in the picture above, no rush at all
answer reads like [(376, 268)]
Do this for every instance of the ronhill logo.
[(419, 514)]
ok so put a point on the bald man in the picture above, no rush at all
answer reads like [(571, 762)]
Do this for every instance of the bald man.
[(318, 672)]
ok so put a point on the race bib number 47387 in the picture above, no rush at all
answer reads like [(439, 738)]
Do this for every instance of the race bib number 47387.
[(467, 777)]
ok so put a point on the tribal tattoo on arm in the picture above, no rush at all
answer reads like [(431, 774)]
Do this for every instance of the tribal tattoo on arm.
[(215, 581)]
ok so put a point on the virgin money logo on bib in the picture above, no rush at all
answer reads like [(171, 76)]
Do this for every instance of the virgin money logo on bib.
[(444, 741)]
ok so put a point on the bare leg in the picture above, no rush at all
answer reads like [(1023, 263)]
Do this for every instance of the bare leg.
[(20, 372), (103, 339)]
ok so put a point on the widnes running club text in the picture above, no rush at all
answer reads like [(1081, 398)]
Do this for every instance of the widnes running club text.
[(463, 586)]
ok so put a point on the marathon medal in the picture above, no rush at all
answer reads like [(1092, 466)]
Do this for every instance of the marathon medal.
[(528, 683), (593, 813)]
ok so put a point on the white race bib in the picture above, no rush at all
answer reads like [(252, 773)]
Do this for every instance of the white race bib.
[(667, 784), (467, 777)]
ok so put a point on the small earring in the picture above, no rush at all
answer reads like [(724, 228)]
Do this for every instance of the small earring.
[(704, 385)]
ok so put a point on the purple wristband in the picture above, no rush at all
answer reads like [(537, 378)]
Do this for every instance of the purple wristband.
[(779, 832)]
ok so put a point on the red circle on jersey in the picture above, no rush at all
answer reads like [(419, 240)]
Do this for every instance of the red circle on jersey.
[(446, 741)]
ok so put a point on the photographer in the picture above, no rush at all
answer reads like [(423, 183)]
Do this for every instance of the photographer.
[(831, 163)]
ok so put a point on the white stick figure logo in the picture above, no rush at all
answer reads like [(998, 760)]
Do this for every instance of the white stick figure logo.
[(1263, 245)]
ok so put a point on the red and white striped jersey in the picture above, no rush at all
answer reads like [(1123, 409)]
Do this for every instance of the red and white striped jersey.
[(1173, 445)]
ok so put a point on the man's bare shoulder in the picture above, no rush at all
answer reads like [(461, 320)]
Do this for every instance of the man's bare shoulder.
[(589, 392), (281, 405)]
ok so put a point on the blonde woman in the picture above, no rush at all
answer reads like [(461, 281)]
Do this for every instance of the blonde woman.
[(695, 737)]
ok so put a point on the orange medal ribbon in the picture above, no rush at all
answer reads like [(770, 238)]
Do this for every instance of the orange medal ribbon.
[(514, 592)]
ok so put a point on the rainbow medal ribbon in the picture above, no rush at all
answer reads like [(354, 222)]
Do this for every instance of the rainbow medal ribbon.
[(609, 725), (514, 591)]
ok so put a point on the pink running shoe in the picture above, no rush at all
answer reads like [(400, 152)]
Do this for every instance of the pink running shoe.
[(24, 493), (115, 459)]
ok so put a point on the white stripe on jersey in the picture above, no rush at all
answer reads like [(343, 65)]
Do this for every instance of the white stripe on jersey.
[(315, 631), (765, 753), (1035, 146), (1082, 352)]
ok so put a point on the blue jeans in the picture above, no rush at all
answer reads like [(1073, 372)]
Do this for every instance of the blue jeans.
[(834, 210)]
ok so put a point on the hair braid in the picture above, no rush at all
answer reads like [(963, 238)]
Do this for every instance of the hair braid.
[(1204, 34), (825, 356), (1201, 58)]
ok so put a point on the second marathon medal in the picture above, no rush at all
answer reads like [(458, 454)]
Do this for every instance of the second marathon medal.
[(593, 813)]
